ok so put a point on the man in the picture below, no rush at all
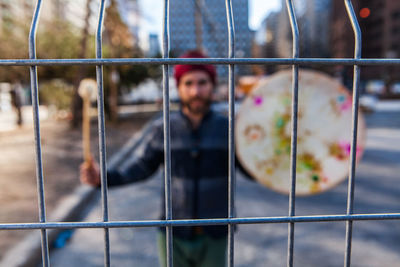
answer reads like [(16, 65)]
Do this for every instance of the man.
[(199, 167)]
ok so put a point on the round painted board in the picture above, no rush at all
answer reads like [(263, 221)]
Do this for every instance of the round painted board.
[(263, 132)]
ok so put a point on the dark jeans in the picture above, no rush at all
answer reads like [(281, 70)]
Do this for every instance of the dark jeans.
[(201, 251)]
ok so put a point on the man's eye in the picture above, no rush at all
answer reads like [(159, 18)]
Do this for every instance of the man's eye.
[(188, 83)]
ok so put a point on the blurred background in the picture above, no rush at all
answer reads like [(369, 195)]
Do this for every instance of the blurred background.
[(133, 94), (133, 29)]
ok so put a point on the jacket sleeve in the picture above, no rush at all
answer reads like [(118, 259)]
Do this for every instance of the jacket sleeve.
[(139, 159)]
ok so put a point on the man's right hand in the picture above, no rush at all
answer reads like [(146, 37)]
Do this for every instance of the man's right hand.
[(90, 173)]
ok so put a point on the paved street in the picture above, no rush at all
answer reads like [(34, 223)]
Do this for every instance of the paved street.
[(375, 243)]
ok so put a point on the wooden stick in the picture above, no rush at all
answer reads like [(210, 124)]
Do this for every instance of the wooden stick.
[(86, 128)]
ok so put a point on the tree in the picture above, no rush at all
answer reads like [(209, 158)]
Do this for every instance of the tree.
[(58, 39), (76, 107), (121, 43)]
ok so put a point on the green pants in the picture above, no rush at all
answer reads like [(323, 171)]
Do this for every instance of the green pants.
[(202, 251)]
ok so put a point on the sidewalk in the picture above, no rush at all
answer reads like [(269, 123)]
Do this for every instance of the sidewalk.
[(9, 117), (61, 157)]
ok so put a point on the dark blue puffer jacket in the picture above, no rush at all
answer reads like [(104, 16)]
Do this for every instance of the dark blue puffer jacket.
[(199, 168)]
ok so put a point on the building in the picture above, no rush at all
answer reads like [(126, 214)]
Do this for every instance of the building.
[(342, 40), (154, 45), (315, 28), (266, 40), (283, 40), (313, 17), (202, 24), (130, 14), (342, 36), (271, 26), (380, 26)]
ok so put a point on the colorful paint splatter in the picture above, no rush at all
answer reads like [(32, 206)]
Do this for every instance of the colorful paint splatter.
[(258, 100)]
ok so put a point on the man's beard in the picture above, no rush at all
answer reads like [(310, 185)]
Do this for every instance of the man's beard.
[(197, 110)]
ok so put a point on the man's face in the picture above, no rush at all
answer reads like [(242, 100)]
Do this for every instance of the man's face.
[(195, 91)]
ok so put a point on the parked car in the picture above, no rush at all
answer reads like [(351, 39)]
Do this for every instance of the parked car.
[(368, 103), (376, 87), (395, 88)]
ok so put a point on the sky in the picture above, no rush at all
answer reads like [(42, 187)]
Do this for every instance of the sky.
[(152, 12), (259, 9)]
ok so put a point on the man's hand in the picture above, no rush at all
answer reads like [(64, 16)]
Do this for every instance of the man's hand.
[(90, 173)]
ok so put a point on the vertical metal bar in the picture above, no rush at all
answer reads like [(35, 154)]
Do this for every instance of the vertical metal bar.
[(231, 133), (102, 135), (293, 152), (353, 151), (167, 150), (38, 147)]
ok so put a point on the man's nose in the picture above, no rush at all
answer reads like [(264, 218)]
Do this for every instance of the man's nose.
[(195, 90)]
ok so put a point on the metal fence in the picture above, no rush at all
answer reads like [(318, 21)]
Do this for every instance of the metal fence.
[(231, 61)]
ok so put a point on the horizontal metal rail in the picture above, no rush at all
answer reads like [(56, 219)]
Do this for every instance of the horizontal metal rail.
[(199, 61), (193, 222)]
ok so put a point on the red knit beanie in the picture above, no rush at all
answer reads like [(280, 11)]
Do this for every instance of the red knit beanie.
[(180, 70)]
